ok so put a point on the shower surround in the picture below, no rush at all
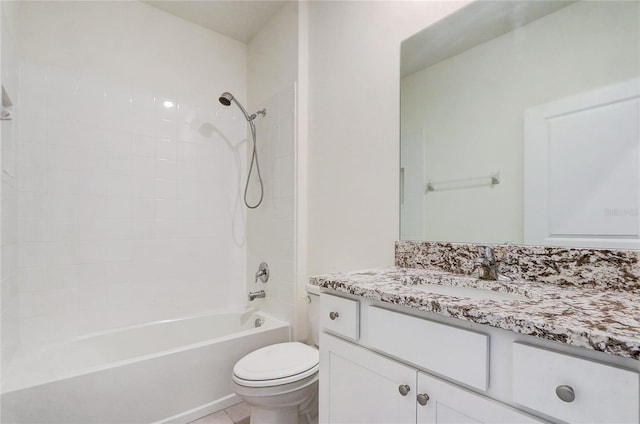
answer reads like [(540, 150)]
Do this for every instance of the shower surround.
[(128, 202), (128, 199), (129, 169)]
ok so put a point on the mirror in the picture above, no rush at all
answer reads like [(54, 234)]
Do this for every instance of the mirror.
[(520, 123)]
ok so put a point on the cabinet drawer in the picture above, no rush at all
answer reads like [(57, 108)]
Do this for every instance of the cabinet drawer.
[(458, 354), (340, 316), (602, 393)]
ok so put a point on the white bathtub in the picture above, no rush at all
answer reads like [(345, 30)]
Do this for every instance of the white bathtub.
[(169, 372)]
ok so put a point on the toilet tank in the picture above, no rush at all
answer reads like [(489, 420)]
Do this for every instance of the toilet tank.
[(313, 314)]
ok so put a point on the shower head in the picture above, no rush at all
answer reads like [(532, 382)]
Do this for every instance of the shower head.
[(225, 98)]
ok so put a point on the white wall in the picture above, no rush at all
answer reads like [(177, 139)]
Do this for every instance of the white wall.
[(9, 292), (471, 109), (129, 211), (136, 45), (273, 56), (272, 68), (354, 127)]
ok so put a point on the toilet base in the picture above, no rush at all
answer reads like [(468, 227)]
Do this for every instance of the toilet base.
[(295, 403)]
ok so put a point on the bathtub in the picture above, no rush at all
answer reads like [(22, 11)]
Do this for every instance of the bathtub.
[(164, 372)]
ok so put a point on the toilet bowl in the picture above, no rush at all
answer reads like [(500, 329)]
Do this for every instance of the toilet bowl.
[(280, 382)]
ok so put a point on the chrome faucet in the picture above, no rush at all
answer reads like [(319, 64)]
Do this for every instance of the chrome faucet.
[(256, 295), (487, 266)]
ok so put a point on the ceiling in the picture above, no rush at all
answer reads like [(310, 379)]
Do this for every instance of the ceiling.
[(472, 25), (238, 19)]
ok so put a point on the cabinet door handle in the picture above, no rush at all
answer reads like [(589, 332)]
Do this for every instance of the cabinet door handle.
[(565, 393), (404, 389), (422, 399), (333, 315)]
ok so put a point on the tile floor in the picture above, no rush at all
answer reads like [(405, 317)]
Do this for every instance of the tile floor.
[(236, 414)]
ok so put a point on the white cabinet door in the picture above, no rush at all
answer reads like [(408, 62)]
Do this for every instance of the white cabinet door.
[(359, 386), (449, 404)]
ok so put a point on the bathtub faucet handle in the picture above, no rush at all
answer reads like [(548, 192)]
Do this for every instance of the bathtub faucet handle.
[(263, 273)]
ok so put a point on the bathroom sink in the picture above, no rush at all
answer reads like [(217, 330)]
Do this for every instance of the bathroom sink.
[(469, 292)]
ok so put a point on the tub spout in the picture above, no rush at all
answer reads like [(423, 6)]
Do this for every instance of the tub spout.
[(256, 294)]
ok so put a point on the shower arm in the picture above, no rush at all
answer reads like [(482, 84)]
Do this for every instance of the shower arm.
[(250, 118)]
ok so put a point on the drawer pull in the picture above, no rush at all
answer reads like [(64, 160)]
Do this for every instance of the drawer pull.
[(404, 389), (333, 315), (422, 399), (565, 393)]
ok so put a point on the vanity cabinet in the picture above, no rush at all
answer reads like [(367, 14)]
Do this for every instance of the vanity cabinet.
[(572, 389), (362, 387), (464, 357), (387, 367), (448, 403), (340, 316)]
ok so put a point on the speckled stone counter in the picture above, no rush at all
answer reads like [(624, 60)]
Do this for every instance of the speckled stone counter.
[(578, 267), (601, 314)]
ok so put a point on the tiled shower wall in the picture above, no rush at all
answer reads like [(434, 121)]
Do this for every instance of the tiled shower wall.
[(129, 202), (9, 316), (271, 226)]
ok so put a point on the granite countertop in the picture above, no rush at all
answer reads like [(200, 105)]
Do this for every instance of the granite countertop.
[(592, 318)]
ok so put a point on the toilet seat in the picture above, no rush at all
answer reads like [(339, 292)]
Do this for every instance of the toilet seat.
[(278, 364)]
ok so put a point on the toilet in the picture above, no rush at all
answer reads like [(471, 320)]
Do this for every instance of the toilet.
[(280, 381)]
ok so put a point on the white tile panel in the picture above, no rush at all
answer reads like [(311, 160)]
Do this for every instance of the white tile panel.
[(127, 206)]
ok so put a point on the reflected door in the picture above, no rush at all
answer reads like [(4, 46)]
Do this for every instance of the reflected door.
[(582, 170)]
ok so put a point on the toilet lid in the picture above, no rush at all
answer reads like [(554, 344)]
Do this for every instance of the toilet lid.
[(277, 362)]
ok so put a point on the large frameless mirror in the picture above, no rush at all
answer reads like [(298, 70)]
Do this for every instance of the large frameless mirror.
[(519, 123)]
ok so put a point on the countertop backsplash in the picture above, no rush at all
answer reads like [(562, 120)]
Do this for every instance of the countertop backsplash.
[(579, 267)]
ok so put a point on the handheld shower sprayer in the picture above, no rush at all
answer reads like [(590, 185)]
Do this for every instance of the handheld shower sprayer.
[(226, 98)]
